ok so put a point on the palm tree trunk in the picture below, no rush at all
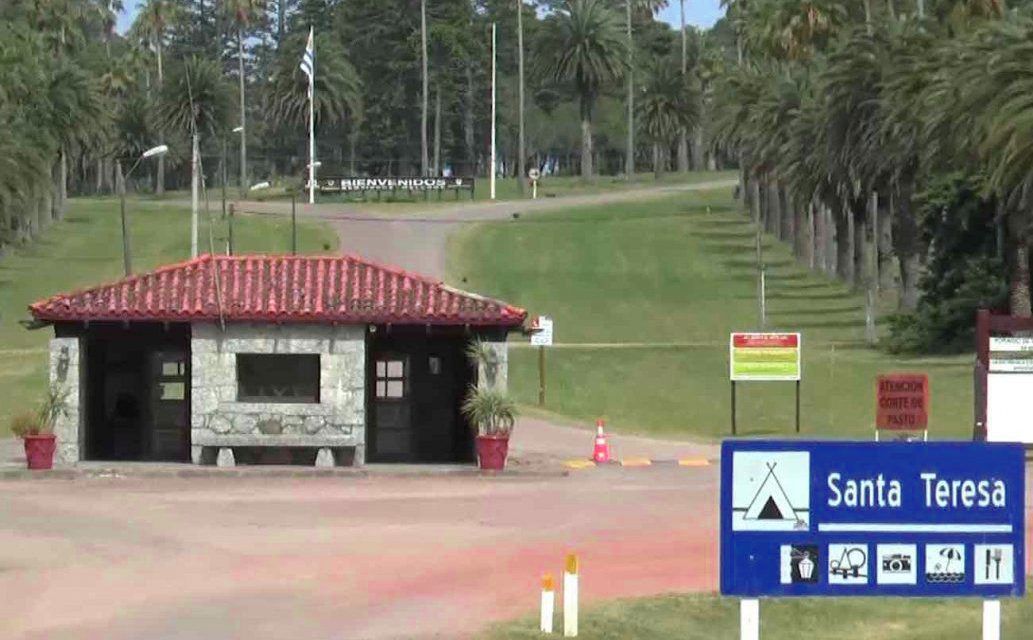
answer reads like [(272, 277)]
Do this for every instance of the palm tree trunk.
[(1019, 295), (159, 187), (698, 162), (281, 19), (812, 236), (905, 245), (657, 169), (861, 264), (683, 138), (99, 183), (629, 149), (468, 143), (195, 187), (424, 160), (521, 151), (437, 130), (243, 128), (845, 245), (62, 185), (884, 244), (586, 143)]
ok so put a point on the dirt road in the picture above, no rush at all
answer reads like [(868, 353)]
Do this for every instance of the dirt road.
[(378, 557)]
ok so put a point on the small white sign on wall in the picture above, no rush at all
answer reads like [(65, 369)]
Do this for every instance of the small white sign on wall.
[(542, 332)]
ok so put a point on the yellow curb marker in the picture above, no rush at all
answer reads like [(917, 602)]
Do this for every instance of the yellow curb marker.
[(636, 462), (579, 464), (694, 462)]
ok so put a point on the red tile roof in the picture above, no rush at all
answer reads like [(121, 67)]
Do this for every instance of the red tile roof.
[(279, 289)]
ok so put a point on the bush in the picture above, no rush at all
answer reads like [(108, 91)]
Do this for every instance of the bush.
[(26, 424), (957, 228), (946, 324)]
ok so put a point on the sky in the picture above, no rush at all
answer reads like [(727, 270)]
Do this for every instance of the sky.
[(702, 13)]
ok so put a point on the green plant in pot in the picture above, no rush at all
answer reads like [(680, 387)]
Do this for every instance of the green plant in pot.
[(493, 414), (36, 429)]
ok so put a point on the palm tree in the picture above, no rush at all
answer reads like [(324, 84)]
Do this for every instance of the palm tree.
[(338, 88), (668, 106), (242, 12), (581, 45), (150, 26), (630, 6), (195, 102)]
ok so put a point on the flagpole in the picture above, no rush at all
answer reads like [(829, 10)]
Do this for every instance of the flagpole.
[(312, 125), (491, 170)]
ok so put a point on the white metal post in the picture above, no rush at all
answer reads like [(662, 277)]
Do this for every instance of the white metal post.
[(749, 619), (491, 170), (991, 620), (570, 596), (312, 141), (548, 603)]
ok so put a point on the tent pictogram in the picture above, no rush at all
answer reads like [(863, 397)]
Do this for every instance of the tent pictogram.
[(771, 501), (771, 491)]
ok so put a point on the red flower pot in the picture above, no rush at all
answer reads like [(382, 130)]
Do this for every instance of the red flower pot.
[(492, 451), (39, 450)]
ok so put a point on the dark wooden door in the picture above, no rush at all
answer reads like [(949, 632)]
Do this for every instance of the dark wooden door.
[(392, 436), (170, 411)]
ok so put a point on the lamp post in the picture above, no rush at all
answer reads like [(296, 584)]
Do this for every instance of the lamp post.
[(153, 152)]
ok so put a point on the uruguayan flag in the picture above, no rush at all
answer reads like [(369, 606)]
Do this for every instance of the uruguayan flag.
[(308, 59)]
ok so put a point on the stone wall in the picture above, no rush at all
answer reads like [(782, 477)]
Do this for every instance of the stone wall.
[(66, 378), (219, 420), (498, 375)]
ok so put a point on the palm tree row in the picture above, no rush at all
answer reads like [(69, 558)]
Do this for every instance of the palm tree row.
[(841, 115)]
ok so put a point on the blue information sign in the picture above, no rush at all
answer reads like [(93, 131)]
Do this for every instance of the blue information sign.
[(872, 519)]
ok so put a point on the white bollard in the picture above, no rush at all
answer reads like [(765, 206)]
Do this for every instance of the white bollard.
[(991, 620), (570, 597), (749, 619), (548, 603)]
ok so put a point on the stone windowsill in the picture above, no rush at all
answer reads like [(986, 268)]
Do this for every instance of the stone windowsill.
[(279, 408)]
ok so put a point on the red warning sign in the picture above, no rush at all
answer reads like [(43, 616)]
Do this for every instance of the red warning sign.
[(903, 402)]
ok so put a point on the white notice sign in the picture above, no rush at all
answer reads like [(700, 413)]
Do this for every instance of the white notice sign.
[(542, 336)]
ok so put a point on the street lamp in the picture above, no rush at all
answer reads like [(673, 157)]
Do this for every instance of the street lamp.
[(153, 152)]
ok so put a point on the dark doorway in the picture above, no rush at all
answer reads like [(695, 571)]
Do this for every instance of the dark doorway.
[(416, 387), (138, 392)]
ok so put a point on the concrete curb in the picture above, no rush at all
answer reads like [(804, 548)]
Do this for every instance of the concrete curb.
[(636, 461), (274, 472)]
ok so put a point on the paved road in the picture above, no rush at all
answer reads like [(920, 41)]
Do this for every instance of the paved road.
[(417, 242)]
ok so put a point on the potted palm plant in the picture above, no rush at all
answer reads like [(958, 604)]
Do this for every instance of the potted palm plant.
[(37, 429), (493, 414)]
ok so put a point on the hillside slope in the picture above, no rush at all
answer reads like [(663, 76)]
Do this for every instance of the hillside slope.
[(661, 284)]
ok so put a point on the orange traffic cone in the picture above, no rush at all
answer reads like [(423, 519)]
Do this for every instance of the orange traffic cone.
[(601, 451)]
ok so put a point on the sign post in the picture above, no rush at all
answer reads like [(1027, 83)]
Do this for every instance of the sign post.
[(541, 337), (764, 357), (931, 519), (902, 403), (533, 175)]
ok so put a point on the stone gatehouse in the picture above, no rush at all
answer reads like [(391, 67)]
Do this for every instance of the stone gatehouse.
[(326, 360)]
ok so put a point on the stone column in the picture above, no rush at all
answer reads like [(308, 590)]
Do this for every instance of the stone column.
[(496, 373), (66, 376)]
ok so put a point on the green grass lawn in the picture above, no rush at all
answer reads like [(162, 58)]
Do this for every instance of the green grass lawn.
[(505, 189), (681, 270), (85, 249), (709, 617)]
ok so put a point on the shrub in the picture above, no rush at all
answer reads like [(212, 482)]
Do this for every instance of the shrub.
[(26, 424)]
